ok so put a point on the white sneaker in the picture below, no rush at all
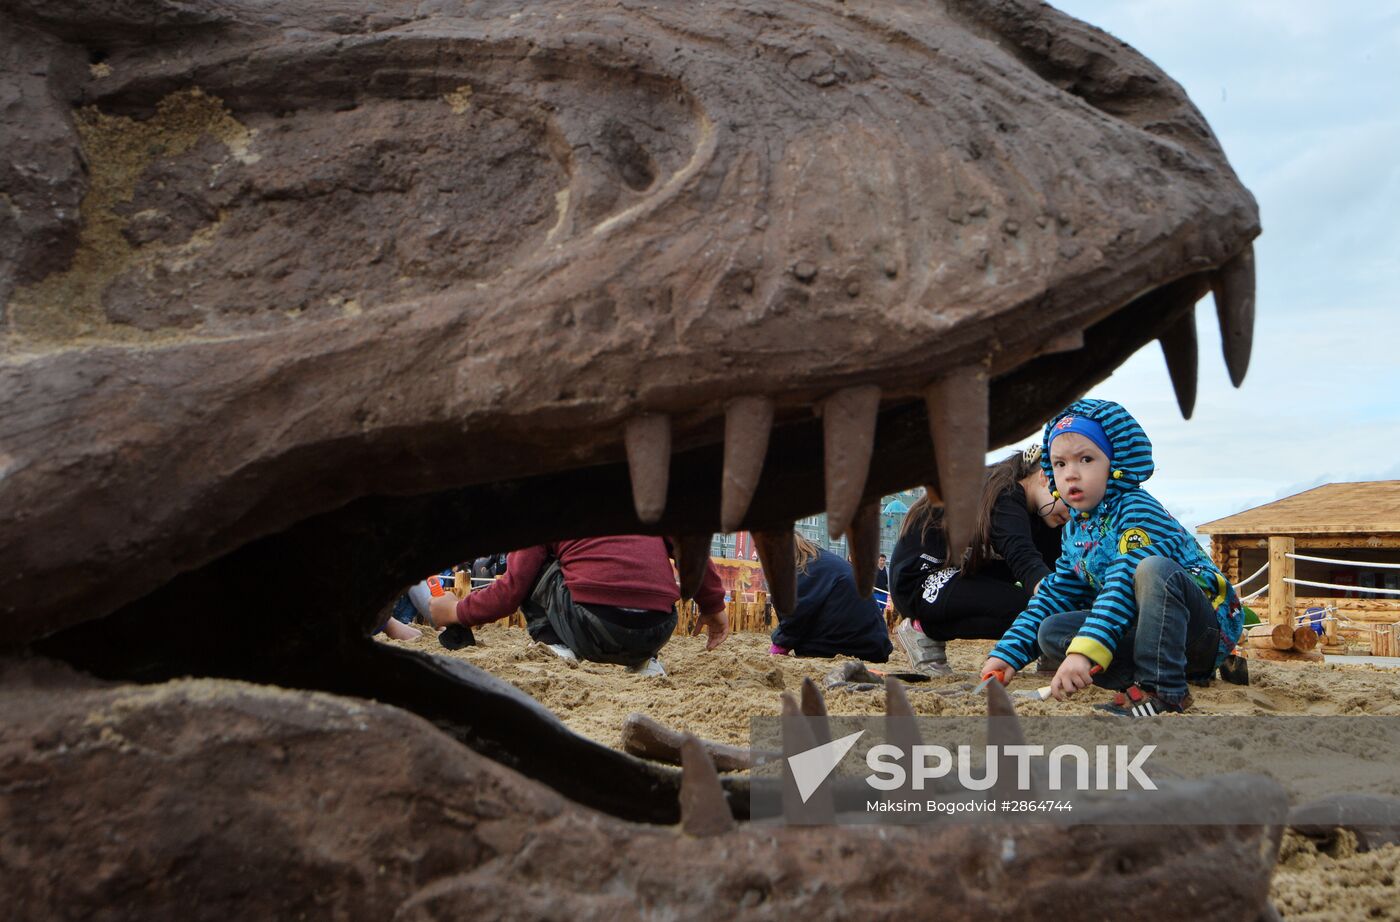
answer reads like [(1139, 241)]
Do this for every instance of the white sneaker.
[(925, 654), (563, 652), (651, 667)]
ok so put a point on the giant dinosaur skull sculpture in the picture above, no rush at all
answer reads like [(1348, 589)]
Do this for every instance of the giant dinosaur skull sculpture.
[(327, 295), (269, 261)]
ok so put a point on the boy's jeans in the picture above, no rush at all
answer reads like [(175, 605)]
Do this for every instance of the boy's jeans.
[(1176, 635)]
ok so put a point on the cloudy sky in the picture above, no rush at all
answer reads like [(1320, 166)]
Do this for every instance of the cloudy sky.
[(1305, 98)]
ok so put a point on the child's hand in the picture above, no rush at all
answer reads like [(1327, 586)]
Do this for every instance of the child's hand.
[(1075, 673), (993, 664), (442, 609)]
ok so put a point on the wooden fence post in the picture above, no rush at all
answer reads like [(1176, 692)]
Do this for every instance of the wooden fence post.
[(1280, 592)]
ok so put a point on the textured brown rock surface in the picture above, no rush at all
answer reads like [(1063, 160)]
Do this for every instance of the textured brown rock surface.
[(209, 799), (264, 260)]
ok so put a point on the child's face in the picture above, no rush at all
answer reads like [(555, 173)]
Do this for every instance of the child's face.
[(1038, 497), (1081, 471)]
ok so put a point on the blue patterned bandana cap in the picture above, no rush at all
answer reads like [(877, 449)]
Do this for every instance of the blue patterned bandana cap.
[(1087, 428)]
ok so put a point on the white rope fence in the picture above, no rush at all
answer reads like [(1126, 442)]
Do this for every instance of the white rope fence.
[(1306, 582), (1344, 563), (1251, 577), (1303, 582)]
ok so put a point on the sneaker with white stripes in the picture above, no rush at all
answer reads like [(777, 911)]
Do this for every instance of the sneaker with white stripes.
[(1134, 702)]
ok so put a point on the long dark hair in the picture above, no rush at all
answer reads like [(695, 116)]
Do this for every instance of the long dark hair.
[(924, 515), (1000, 477)]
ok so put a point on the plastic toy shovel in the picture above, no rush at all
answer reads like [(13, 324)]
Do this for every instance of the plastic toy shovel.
[(998, 674)]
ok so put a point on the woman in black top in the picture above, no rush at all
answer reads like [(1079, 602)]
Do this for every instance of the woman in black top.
[(1015, 546)]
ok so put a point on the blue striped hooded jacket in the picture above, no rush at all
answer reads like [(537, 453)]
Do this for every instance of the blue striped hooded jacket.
[(1101, 549)]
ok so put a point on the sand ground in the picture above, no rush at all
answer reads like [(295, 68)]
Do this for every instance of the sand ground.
[(713, 695)]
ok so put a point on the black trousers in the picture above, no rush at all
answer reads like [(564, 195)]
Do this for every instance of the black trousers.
[(552, 616), (972, 608)]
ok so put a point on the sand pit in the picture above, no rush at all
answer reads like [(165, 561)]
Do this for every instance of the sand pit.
[(714, 694)]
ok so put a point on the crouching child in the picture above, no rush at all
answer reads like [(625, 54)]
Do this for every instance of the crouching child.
[(1133, 604)]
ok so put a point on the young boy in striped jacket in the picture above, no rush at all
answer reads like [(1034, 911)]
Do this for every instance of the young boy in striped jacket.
[(1134, 604)]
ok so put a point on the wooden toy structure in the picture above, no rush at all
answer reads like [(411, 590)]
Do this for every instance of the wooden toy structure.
[(1326, 558)]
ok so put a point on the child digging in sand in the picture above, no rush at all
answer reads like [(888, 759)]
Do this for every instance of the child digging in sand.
[(1133, 593), (1015, 546)]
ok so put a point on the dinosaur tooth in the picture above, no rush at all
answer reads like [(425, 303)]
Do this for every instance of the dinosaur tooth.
[(896, 701), (1072, 341), (1233, 285), (1003, 726), (798, 738), (1004, 729), (814, 706), (692, 553), (848, 431), (900, 728), (864, 541), (1179, 349), (748, 421), (648, 439), (704, 808), (778, 555), (958, 422)]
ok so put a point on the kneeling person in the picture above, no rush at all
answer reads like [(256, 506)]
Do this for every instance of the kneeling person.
[(830, 617), (608, 600)]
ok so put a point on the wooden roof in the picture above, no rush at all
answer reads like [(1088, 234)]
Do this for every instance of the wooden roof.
[(1366, 508)]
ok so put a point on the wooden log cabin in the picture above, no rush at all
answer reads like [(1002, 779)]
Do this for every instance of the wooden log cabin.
[(1352, 532)]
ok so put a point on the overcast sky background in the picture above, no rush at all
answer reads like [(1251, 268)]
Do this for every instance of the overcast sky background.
[(1305, 98)]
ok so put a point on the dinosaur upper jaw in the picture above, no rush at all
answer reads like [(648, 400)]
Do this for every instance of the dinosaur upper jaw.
[(332, 505), (411, 287)]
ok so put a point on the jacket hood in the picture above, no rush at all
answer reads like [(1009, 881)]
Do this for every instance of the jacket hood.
[(1132, 449)]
